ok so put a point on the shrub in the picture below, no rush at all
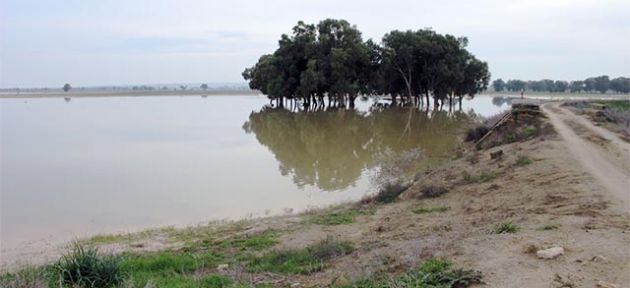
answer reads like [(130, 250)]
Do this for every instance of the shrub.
[(84, 267), (304, 261), (506, 227), (390, 192), (474, 134), (433, 191), (481, 178)]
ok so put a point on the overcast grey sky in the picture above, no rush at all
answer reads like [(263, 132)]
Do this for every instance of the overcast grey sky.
[(90, 42)]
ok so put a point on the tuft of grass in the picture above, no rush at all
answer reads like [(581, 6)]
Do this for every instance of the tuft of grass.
[(304, 261), (336, 217), (481, 178), (29, 277), (432, 273), (84, 267), (424, 210), (506, 227), (390, 192), (523, 161), (550, 227), (529, 131)]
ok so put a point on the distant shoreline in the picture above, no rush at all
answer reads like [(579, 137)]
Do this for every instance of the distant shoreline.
[(125, 93)]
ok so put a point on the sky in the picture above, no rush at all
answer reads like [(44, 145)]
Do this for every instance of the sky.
[(47, 43)]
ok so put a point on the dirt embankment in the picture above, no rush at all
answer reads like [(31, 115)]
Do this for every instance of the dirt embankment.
[(547, 194)]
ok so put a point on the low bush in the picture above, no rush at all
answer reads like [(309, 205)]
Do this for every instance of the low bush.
[(336, 217), (550, 227), (483, 177)]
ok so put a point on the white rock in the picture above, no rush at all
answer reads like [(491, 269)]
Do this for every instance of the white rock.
[(222, 266), (550, 253)]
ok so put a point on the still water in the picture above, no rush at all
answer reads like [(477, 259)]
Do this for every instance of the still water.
[(113, 164)]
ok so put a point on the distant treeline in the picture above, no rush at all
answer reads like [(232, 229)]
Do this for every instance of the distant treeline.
[(331, 60), (601, 84)]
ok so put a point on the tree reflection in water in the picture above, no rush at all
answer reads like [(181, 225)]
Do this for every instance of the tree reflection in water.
[(332, 149)]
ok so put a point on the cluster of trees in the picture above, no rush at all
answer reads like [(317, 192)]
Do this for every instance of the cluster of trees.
[(330, 149), (601, 84), (331, 60)]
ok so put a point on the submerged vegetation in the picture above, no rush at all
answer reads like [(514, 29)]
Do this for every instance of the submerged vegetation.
[(331, 59)]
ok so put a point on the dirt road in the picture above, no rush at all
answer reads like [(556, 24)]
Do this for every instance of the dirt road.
[(600, 152)]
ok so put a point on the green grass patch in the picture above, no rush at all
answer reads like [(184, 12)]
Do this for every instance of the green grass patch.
[(435, 273), (483, 177), (257, 242), (303, 261), (506, 227), (550, 227), (425, 210), (620, 105), (523, 161), (529, 131)]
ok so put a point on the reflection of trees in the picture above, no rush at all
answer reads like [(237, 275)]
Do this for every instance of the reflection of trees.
[(330, 149), (500, 100)]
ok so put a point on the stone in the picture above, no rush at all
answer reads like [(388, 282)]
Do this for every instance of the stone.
[(550, 253), (223, 266), (496, 155), (599, 258)]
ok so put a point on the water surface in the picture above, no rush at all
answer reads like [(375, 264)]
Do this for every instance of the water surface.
[(104, 165)]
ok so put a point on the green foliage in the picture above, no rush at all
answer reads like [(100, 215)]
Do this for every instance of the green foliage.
[(390, 192), (434, 273), (84, 267), (25, 278), (619, 105), (424, 210), (331, 59), (506, 227), (548, 227), (523, 161), (304, 261)]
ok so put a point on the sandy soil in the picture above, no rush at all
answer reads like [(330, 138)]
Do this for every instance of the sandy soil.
[(575, 181)]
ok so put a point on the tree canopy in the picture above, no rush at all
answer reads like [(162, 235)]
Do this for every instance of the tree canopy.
[(331, 60), (600, 84), (66, 87)]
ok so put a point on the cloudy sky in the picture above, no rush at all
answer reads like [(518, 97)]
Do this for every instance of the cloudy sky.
[(90, 42)]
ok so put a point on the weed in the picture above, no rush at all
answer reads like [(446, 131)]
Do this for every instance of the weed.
[(506, 227), (256, 242), (84, 267), (550, 227), (29, 277), (304, 261), (523, 161), (423, 210)]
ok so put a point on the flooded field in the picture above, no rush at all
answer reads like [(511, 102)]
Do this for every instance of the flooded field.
[(83, 166)]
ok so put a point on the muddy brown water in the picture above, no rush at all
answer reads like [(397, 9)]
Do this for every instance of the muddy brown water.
[(77, 167)]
